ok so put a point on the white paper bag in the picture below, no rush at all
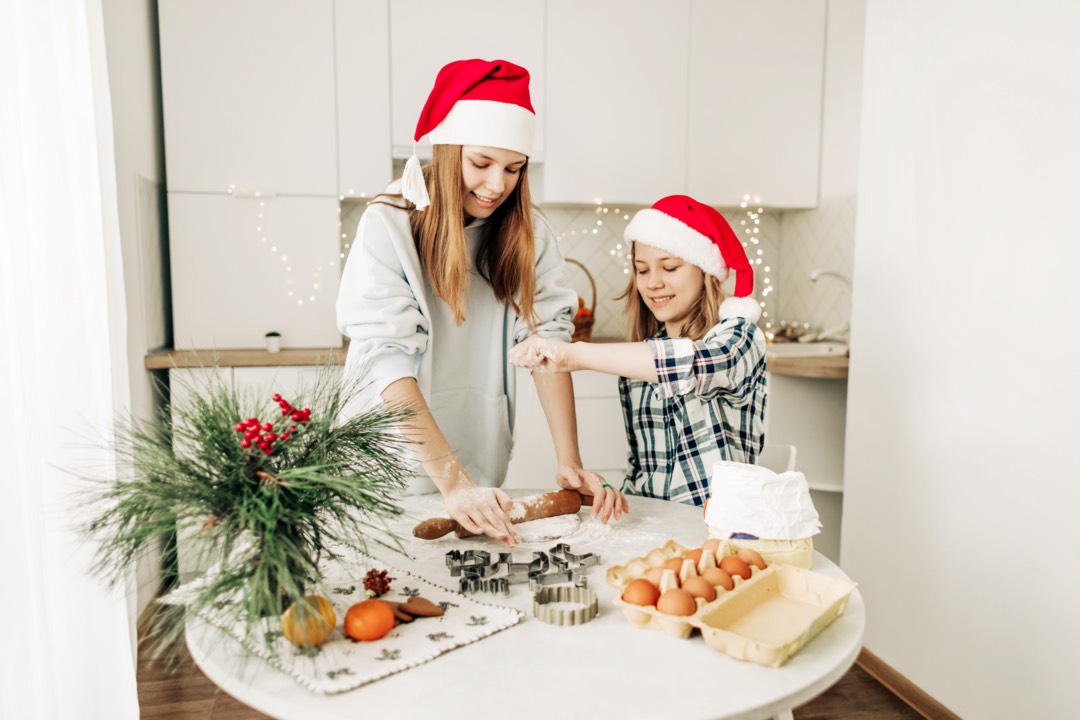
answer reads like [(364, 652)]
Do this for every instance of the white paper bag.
[(755, 500)]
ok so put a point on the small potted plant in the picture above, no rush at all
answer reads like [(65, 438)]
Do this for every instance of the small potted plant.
[(273, 341)]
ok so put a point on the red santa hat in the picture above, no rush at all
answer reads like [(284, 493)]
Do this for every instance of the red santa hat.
[(474, 102), (699, 235)]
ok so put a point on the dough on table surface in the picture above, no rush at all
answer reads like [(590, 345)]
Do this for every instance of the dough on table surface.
[(549, 528)]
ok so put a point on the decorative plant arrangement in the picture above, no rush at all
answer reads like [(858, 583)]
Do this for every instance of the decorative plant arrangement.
[(273, 341), (272, 491)]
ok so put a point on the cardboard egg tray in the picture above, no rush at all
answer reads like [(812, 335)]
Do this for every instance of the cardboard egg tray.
[(765, 619)]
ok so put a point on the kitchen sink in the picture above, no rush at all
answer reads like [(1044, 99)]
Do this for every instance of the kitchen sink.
[(810, 349)]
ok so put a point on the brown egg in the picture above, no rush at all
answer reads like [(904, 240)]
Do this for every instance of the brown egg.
[(699, 587), (734, 565), (753, 557), (674, 564), (641, 592), (653, 575), (711, 545), (676, 602), (718, 578), (694, 555)]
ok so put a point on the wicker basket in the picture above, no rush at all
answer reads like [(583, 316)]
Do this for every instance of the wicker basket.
[(583, 324)]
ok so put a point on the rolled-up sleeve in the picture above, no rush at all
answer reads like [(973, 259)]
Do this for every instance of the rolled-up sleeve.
[(554, 303), (727, 362), (377, 307)]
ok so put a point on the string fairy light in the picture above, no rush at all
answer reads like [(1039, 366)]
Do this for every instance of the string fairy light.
[(751, 227)]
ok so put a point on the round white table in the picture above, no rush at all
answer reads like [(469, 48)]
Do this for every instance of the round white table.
[(604, 668)]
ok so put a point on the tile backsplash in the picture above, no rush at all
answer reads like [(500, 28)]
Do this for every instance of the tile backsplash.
[(790, 245)]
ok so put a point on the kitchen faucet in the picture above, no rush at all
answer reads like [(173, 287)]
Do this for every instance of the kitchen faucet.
[(842, 331)]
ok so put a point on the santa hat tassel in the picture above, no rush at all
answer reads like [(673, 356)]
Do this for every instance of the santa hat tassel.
[(413, 186)]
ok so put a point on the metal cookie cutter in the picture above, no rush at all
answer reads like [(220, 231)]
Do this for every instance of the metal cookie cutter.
[(590, 605), (538, 581), (563, 558)]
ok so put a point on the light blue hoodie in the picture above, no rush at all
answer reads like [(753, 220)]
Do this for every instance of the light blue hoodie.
[(399, 328)]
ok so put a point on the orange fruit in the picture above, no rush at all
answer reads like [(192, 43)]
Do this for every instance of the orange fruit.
[(309, 622), (369, 620)]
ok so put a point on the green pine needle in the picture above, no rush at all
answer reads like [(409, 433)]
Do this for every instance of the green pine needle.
[(267, 521)]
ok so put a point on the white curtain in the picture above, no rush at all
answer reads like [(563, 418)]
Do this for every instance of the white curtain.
[(66, 643)]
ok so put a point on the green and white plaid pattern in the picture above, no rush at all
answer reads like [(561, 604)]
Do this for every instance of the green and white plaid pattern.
[(709, 405)]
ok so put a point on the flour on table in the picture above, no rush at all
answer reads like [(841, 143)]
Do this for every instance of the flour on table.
[(549, 528)]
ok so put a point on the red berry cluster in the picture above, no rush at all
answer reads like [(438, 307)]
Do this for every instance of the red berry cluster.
[(377, 583), (262, 435)]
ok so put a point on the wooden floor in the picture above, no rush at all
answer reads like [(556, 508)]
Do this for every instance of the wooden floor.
[(184, 693)]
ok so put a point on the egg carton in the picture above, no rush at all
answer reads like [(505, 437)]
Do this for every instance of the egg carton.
[(765, 619)]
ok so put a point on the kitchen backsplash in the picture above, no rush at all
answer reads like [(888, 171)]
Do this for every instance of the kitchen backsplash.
[(818, 239), (792, 244)]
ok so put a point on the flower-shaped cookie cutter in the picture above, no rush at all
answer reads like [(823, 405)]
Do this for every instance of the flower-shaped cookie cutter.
[(545, 599)]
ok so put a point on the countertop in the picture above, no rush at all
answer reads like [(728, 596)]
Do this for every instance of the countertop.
[(829, 367), (825, 367)]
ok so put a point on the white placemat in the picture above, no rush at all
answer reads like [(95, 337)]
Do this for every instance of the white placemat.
[(341, 664)]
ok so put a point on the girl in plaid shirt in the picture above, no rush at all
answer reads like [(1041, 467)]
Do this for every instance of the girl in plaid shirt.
[(692, 381)]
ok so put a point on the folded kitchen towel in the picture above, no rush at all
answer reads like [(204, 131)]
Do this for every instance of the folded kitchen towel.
[(341, 664)]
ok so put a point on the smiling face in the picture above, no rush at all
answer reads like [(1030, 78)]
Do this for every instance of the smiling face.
[(489, 176), (668, 285)]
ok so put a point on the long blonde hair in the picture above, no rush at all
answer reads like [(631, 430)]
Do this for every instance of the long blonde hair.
[(641, 323), (506, 258)]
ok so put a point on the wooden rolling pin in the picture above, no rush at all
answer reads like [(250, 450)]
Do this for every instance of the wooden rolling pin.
[(533, 507)]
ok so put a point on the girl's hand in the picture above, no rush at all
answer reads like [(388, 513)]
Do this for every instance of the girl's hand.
[(483, 511), (542, 354), (607, 501)]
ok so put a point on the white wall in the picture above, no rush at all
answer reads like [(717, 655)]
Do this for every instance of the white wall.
[(134, 84), (961, 497)]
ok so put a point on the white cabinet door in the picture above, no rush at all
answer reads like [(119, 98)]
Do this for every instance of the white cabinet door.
[(362, 30), (427, 34), (756, 74), (617, 100), (248, 95), (294, 383), (244, 266), (193, 556), (601, 437), (255, 386)]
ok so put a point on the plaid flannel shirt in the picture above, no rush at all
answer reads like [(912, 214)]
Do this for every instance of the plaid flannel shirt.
[(708, 405)]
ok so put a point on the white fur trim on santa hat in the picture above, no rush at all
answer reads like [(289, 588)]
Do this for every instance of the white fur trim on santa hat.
[(489, 124), (661, 231), (740, 307)]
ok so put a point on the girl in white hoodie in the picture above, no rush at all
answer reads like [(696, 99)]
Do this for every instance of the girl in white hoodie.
[(449, 271)]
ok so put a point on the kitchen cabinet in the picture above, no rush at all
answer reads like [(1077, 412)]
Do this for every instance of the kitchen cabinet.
[(756, 88), (192, 555), (601, 437), (242, 266), (362, 43), (713, 98), (425, 35), (810, 413), (248, 96), (617, 100)]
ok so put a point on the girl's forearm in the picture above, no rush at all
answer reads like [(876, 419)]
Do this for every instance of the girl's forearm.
[(631, 359), (428, 442)]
